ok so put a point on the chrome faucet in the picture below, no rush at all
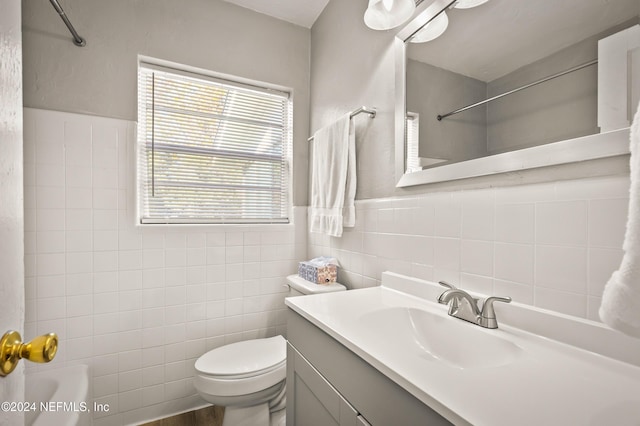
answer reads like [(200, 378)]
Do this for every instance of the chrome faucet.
[(464, 306)]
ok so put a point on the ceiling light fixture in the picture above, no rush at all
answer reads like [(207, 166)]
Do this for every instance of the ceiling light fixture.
[(468, 4), (432, 30), (387, 14)]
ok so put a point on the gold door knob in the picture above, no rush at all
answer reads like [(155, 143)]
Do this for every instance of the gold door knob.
[(41, 349)]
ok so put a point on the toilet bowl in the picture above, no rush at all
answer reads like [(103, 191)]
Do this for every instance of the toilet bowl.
[(248, 377)]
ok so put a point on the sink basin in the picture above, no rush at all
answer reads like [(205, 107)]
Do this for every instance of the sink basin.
[(439, 337)]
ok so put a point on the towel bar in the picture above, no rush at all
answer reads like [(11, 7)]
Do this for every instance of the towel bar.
[(367, 110)]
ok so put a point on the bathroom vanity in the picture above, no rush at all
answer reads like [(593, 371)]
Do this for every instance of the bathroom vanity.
[(326, 381), (391, 355)]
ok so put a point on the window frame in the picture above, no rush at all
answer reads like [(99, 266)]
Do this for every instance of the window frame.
[(241, 83)]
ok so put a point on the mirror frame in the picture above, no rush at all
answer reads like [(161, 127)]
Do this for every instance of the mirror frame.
[(599, 145)]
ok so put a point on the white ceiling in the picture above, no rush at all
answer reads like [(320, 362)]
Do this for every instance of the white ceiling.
[(299, 12)]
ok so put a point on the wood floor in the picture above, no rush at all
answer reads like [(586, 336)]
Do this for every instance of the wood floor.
[(209, 416)]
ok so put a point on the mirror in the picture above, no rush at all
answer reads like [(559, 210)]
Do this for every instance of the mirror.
[(513, 84)]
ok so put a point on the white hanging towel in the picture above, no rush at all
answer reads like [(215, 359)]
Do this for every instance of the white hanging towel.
[(620, 308), (333, 178)]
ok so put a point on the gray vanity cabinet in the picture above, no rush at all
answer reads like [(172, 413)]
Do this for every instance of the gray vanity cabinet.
[(314, 402), (327, 384)]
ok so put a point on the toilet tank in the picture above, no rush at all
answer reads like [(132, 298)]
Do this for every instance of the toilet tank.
[(299, 286)]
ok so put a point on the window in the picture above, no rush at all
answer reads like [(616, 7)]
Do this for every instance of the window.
[(413, 142), (211, 150)]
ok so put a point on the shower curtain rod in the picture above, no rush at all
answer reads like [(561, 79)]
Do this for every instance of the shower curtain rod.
[(77, 40), (366, 110), (551, 77)]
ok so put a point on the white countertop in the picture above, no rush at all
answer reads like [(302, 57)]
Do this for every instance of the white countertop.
[(547, 383)]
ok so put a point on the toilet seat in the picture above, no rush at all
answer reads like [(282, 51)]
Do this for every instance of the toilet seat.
[(244, 359), (236, 370)]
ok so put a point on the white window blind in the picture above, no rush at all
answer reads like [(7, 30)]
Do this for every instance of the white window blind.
[(413, 142), (211, 150)]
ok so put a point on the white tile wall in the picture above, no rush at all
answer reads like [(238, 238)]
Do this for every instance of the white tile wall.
[(141, 304), (551, 245), (138, 305)]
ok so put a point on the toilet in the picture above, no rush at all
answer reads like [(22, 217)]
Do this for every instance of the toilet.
[(248, 377)]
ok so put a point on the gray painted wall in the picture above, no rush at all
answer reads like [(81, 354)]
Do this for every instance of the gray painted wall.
[(560, 109), (351, 66), (432, 91), (100, 79)]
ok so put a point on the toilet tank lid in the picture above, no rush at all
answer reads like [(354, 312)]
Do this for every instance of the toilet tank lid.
[(307, 287)]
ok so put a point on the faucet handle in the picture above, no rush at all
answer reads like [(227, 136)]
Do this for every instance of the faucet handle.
[(487, 307), (454, 302), (447, 285), (487, 317)]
